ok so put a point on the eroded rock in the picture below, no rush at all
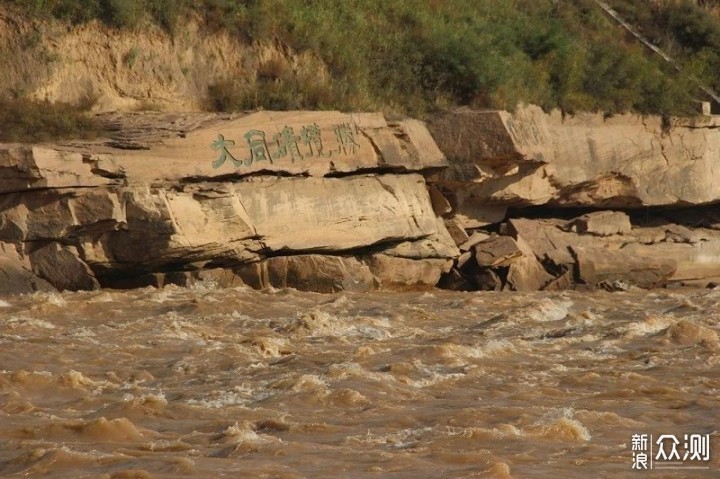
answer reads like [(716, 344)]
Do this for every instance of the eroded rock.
[(406, 274), (61, 267), (533, 158), (321, 273), (602, 223)]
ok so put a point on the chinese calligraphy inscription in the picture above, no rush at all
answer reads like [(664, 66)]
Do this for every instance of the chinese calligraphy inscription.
[(309, 143)]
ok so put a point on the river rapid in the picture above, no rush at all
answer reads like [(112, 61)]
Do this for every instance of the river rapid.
[(212, 382)]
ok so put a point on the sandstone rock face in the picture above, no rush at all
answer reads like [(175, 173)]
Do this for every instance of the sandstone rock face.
[(324, 274), (15, 274), (533, 158), (602, 223), (61, 267), (30, 168), (154, 206), (406, 274)]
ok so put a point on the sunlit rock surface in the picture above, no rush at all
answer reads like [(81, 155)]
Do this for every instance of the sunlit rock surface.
[(167, 196)]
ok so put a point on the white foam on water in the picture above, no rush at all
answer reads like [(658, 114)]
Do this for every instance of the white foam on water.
[(103, 297), (491, 349), (318, 323), (20, 321), (309, 382), (239, 396), (651, 324), (77, 380), (50, 297), (559, 424), (398, 440), (547, 309)]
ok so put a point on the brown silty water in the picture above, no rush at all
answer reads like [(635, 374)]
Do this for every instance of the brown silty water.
[(212, 382)]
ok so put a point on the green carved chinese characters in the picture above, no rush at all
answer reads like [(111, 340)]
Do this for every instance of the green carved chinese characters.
[(309, 143)]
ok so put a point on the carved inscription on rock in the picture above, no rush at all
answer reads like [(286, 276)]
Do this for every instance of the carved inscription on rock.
[(311, 141)]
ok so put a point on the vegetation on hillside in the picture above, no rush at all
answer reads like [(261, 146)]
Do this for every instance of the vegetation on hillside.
[(27, 120), (411, 56)]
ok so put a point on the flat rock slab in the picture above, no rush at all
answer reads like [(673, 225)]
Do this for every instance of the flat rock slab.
[(630, 257), (33, 167), (145, 228), (497, 251), (596, 266), (219, 147), (335, 214)]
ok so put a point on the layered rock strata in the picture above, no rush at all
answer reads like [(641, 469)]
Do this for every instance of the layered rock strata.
[(515, 183), (275, 199), (326, 201)]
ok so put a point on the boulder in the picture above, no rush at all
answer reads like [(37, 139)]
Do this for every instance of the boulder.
[(15, 274), (320, 273), (474, 239), (526, 273), (406, 274), (457, 231), (497, 251), (602, 223), (61, 267)]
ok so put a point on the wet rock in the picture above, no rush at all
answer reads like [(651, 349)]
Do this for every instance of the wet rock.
[(406, 274), (132, 281), (320, 273), (61, 267), (601, 223), (15, 274), (216, 277), (456, 281), (485, 279)]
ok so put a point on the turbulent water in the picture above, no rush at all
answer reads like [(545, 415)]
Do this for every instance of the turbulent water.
[(211, 382)]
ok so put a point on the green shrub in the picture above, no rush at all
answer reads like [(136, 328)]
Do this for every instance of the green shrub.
[(23, 120), (411, 56)]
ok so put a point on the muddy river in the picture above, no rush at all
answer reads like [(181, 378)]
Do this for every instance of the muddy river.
[(212, 382)]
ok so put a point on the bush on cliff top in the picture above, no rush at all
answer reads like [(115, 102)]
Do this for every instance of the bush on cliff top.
[(23, 120), (411, 56)]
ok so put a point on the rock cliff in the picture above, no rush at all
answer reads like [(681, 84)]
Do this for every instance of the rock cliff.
[(156, 205), (328, 201), (614, 202)]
